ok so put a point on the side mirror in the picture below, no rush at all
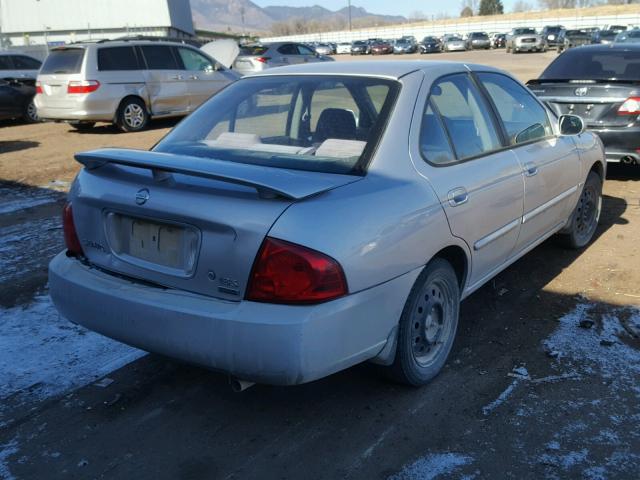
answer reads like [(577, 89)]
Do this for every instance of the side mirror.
[(571, 125)]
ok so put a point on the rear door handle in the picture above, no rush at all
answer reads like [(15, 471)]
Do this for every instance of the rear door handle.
[(457, 196), (530, 170)]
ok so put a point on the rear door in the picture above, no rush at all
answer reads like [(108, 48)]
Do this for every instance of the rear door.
[(204, 77), (287, 55), (165, 79), (550, 163), (479, 184)]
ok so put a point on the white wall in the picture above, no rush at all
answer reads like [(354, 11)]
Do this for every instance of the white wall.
[(26, 16), (439, 28)]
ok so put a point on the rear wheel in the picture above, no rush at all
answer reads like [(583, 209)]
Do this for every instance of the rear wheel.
[(428, 325), (30, 114), (585, 217), (132, 115)]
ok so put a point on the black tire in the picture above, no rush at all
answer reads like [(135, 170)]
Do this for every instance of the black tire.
[(584, 219), (427, 325), (132, 115), (82, 126), (30, 114)]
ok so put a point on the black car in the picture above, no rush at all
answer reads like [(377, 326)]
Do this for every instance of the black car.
[(550, 34), (430, 45), (601, 84), (499, 41), (573, 38), (360, 48), (16, 100)]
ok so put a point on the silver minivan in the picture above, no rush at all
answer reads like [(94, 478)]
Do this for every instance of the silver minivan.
[(126, 82)]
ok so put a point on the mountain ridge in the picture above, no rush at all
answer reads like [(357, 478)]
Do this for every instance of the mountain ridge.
[(246, 17)]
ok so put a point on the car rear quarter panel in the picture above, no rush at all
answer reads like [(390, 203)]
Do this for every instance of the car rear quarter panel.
[(383, 226)]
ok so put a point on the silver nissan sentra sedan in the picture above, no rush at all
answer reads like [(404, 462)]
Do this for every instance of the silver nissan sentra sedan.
[(317, 216)]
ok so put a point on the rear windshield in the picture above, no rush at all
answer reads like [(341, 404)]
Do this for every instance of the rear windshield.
[(479, 35), (315, 123), (591, 64), (524, 31), (553, 29), (63, 61), (252, 51)]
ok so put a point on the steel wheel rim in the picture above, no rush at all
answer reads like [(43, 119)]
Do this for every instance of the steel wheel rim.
[(134, 115), (32, 112), (587, 212), (431, 323)]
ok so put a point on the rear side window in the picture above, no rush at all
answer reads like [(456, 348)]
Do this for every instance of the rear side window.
[(434, 143), (117, 58), (523, 117), (159, 57), (465, 116), (5, 62), (288, 49), (251, 51), (25, 63), (63, 61)]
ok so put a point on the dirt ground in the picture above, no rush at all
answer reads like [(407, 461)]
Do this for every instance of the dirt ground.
[(543, 381)]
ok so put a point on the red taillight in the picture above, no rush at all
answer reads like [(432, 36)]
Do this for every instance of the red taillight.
[(38, 88), (262, 59), (70, 236), (288, 273), (83, 86), (631, 106)]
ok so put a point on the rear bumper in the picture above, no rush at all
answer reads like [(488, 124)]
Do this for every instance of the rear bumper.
[(528, 47), (265, 343), (621, 144), (76, 112)]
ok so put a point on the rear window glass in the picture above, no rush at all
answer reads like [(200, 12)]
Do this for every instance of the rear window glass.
[(315, 123), (251, 51), (117, 58), (592, 64), (64, 61), (25, 63), (159, 57)]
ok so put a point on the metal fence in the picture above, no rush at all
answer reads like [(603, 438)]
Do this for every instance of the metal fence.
[(463, 26)]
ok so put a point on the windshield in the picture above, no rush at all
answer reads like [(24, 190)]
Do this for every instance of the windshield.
[(63, 61), (316, 123), (479, 35), (524, 31), (553, 29), (594, 64), (454, 39)]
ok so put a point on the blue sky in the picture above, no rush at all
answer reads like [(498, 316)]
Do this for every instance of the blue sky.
[(388, 7)]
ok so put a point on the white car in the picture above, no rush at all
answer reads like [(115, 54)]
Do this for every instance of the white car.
[(343, 48)]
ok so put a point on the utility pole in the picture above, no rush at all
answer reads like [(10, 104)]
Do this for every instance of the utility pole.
[(349, 7)]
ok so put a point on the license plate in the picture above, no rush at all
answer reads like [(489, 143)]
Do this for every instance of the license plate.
[(156, 243)]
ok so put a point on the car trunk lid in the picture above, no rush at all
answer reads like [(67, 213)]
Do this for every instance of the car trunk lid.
[(596, 102), (183, 222)]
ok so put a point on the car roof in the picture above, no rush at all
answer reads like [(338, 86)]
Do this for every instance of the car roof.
[(393, 69), (121, 43)]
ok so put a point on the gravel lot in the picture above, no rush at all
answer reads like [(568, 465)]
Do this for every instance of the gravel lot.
[(543, 381)]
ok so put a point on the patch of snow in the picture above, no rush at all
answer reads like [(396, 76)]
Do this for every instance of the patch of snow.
[(432, 466), (15, 198), (19, 243), (7, 450), (44, 355), (487, 409)]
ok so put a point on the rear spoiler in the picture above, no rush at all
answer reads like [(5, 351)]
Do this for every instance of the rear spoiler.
[(270, 182)]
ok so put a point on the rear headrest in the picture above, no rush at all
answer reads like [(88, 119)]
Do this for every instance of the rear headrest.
[(335, 123)]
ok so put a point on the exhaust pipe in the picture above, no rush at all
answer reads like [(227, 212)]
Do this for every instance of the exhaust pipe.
[(238, 385)]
